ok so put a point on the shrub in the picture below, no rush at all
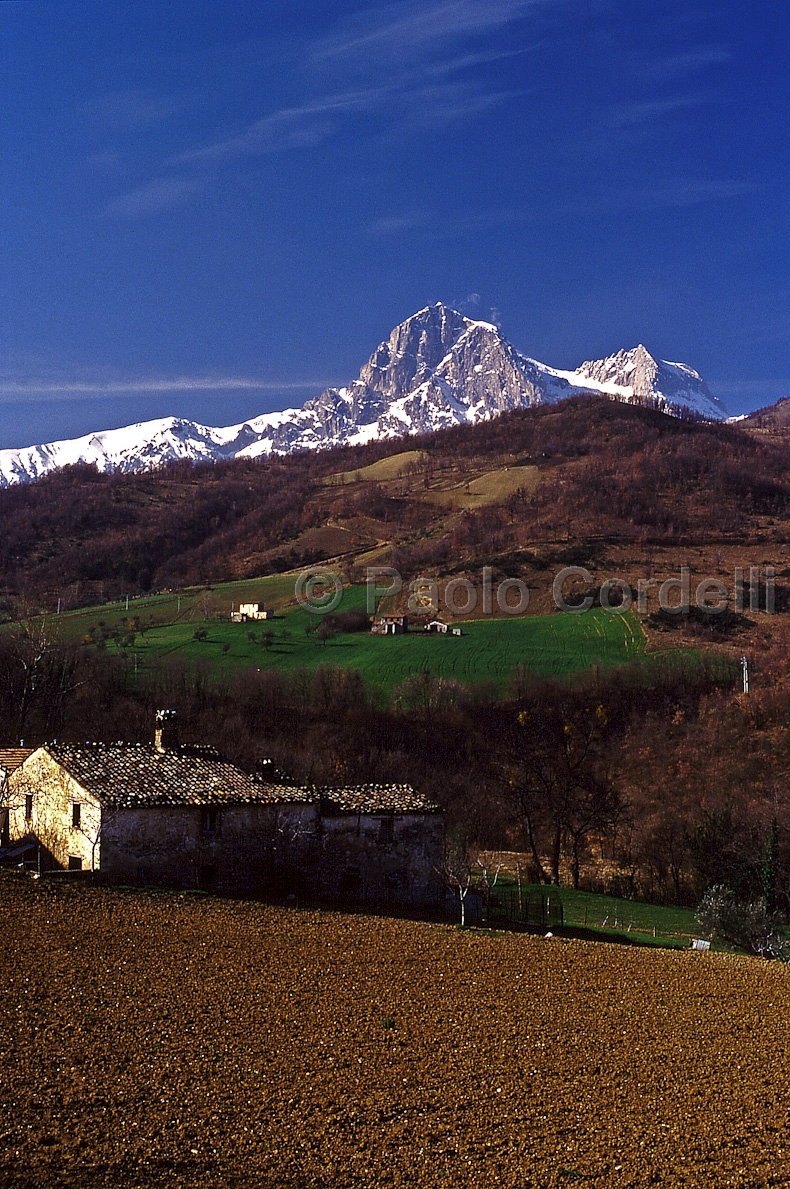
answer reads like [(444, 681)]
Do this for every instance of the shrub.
[(747, 924)]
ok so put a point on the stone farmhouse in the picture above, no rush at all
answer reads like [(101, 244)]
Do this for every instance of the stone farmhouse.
[(390, 625), (437, 627), (10, 760), (249, 612), (183, 816)]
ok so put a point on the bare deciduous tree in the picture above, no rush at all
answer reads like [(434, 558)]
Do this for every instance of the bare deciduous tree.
[(457, 873)]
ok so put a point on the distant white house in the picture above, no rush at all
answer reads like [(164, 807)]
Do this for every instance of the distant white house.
[(437, 627), (390, 625), (250, 611)]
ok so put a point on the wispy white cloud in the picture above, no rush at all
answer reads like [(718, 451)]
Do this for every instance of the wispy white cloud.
[(133, 109), (689, 192), (301, 126), (410, 63), (627, 126), (423, 103), (680, 192), (417, 29), (649, 110), (467, 61), (662, 194), (162, 194), (396, 224), (446, 226), (33, 390), (437, 105), (677, 65)]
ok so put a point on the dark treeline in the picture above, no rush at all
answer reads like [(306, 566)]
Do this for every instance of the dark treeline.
[(654, 781), (608, 469)]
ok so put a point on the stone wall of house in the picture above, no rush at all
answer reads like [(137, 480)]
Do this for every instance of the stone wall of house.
[(379, 859), (233, 849), (50, 794)]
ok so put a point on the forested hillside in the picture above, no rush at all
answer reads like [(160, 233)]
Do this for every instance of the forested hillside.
[(592, 473), (655, 778)]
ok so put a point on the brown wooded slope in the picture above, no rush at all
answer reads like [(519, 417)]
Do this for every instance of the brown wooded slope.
[(593, 470)]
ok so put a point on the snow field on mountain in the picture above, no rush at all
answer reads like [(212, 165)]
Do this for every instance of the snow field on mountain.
[(436, 370)]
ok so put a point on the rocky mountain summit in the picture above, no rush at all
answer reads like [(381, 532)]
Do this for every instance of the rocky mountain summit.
[(671, 385), (436, 369)]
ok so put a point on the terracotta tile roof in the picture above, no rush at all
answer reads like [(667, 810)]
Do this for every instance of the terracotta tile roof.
[(131, 775), (376, 798), (128, 775), (12, 757)]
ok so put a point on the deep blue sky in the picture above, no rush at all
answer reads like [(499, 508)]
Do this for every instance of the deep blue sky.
[(204, 202)]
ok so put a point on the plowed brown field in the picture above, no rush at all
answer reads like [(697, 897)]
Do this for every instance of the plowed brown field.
[(159, 1039)]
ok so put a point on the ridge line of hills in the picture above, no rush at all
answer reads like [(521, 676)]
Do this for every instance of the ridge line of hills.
[(583, 477), (437, 369)]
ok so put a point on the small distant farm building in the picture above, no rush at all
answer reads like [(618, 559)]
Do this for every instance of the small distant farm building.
[(437, 627), (390, 625), (178, 816), (251, 611)]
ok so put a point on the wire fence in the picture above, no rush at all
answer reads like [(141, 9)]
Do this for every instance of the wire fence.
[(515, 907)]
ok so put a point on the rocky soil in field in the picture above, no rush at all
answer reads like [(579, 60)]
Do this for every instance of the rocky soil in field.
[(172, 1040)]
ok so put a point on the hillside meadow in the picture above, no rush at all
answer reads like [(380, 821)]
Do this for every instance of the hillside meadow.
[(488, 649), (618, 488), (167, 1039)]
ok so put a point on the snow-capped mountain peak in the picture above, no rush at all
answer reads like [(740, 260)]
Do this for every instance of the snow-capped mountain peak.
[(436, 369), (637, 375)]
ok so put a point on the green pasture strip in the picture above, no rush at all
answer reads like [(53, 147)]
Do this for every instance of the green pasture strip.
[(190, 605), (551, 645), (606, 915)]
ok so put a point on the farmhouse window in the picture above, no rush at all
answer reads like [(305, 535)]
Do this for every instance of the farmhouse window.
[(75, 863), (29, 805), (210, 821), (386, 831), (76, 815)]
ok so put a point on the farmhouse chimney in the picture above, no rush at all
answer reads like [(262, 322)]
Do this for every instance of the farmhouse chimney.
[(166, 734)]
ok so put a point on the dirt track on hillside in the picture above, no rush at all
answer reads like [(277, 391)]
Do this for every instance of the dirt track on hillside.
[(179, 1041)]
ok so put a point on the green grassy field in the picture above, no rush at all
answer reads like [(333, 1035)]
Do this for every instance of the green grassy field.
[(608, 918), (648, 923), (190, 606), (549, 645)]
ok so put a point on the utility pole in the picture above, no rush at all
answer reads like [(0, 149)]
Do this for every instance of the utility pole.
[(745, 668)]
